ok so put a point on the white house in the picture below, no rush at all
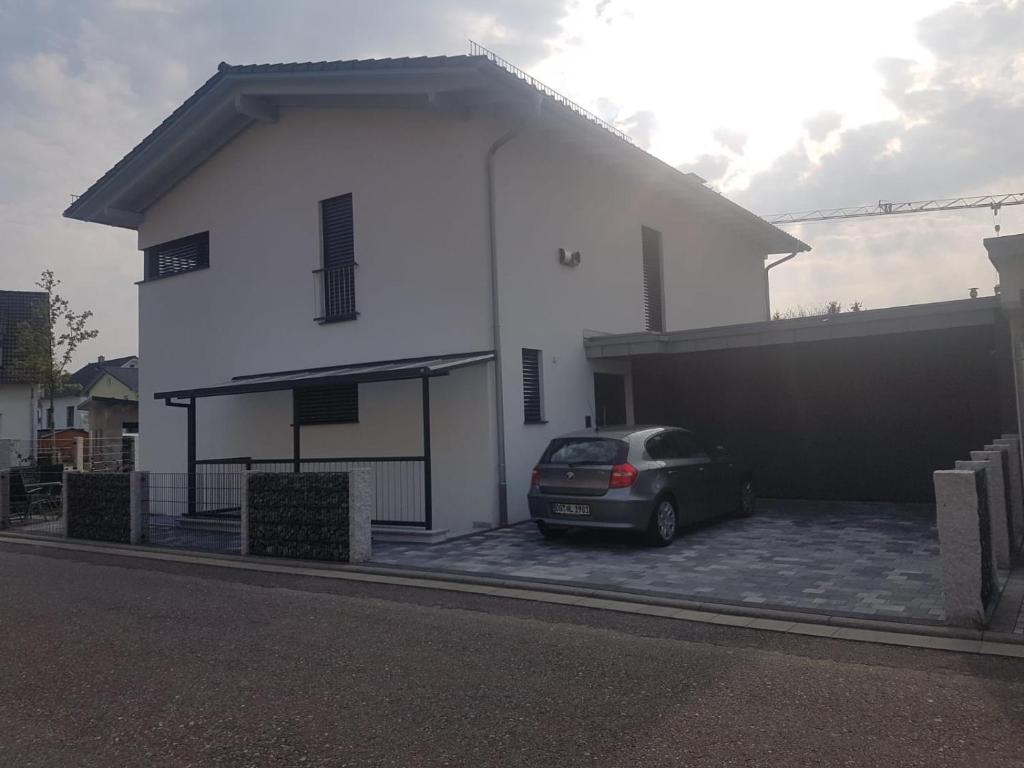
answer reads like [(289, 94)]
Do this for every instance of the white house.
[(330, 247)]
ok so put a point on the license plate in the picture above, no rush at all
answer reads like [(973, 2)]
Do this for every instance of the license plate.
[(577, 510)]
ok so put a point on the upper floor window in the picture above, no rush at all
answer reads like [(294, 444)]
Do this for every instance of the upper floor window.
[(185, 254), (335, 404), (654, 294), (336, 280)]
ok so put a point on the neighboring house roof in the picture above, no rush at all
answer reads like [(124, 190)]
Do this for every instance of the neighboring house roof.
[(237, 96), (16, 308), (127, 376), (90, 373)]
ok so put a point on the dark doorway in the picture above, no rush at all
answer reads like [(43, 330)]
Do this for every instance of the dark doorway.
[(609, 398)]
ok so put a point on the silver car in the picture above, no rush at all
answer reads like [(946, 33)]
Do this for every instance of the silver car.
[(649, 479)]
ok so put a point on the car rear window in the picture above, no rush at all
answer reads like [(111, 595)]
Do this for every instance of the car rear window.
[(585, 450)]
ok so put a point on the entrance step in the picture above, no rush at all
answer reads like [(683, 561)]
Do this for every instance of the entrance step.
[(402, 534)]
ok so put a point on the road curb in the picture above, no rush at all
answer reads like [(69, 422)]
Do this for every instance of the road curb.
[(931, 637)]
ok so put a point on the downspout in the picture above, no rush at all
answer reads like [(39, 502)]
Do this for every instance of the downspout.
[(499, 396), (767, 289)]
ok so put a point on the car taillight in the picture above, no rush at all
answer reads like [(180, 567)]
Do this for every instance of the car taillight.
[(623, 476), (535, 478)]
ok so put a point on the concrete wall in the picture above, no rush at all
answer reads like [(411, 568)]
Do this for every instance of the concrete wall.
[(17, 411)]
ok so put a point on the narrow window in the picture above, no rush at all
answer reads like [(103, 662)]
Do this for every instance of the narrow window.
[(71, 416), (338, 281), (533, 406), (654, 296), (186, 254), (335, 404), (49, 418)]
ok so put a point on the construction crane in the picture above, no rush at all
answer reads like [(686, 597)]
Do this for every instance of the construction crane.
[(886, 208)]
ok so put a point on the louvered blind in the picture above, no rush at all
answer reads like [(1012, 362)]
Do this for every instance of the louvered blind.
[(182, 255), (339, 236), (654, 312), (532, 411), (336, 404)]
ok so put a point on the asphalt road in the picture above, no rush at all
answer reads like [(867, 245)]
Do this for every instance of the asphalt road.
[(109, 661)]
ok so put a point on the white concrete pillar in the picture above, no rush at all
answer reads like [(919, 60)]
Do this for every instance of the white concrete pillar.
[(1016, 479), (65, 513), (1000, 507), (1017, 528), (5, 498), (139, 506), (80, 454), (999, 536), (244, 494), (362, 501), (958, 504)]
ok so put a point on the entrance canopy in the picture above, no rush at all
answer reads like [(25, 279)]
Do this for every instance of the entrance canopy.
[(381, 370)]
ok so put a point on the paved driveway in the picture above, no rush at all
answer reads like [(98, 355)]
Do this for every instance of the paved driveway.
[(875, 560)]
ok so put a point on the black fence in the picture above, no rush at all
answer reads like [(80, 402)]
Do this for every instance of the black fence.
[(399, 481), (201, 511)]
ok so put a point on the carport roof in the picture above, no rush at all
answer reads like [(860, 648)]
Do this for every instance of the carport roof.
[(381, 370), (874, 322)]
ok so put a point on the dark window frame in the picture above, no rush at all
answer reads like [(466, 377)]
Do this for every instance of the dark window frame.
[(533, 386), (652, 253), (200, 241), (69, 415), (337, 272), (331, 404)]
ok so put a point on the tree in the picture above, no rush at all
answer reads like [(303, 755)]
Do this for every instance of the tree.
[(828, 308), (48, 341)]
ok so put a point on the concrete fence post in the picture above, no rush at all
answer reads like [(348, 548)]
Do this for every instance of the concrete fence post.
[(362, 503), (244, 523), (80, 454), (1012, 442), (138, 506), (966, 582), (994, 504), (1017, 529), (65, 512), (5, 498), (999, 501)]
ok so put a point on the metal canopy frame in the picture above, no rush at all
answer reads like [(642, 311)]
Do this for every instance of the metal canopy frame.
[(423, 368)]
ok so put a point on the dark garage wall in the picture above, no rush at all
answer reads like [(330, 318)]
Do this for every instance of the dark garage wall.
[(865, 418)]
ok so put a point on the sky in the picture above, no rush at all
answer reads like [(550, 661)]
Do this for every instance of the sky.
[(782, 106)]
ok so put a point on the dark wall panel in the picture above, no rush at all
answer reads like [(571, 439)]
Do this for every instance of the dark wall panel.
[(866, 418)]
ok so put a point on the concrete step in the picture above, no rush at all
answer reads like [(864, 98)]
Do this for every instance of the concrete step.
[(402, 534)]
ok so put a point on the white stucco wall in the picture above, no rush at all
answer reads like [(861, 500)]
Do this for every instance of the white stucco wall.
[(421, 243), (554, 196), (60, 408), (17, 412)]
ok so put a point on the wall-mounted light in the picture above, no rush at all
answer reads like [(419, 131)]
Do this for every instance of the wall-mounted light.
[(568, 259)]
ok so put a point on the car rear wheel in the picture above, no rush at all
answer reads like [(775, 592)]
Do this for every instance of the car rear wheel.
[(664, 523), (548, 532), (747, 498)]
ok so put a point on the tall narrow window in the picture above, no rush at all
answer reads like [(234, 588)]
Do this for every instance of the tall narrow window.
[(533, 405), (186, 254), (654, 295), (338, 278), (70, 416)]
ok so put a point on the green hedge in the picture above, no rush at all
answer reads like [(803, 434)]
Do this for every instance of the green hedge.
[(302, 515), (99, 506)]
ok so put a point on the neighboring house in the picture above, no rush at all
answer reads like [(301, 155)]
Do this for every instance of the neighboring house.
[(18, 387), (111, 399), (334, 251), (67, 412)]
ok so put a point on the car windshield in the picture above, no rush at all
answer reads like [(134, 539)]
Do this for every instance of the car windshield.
[(585, 450)]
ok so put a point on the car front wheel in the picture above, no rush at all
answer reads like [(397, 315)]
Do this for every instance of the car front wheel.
[(664, 523)]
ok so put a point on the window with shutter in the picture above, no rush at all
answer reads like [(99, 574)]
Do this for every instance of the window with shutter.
[(339, 259), (335, 404), (654, 295), (533, 406), (186, 254)]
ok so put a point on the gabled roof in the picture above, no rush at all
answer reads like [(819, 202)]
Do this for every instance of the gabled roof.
[(16, 308), (90, 373), (237, 96)]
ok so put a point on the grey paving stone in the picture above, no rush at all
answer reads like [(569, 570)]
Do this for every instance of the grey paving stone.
[(848, 559)]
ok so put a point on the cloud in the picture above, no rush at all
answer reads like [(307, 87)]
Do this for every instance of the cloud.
[(733, 140), (82, 83), (711, 168), (640, 126), (955, 133)]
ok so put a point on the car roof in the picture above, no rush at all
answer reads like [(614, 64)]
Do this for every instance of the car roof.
[(620, 432)]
